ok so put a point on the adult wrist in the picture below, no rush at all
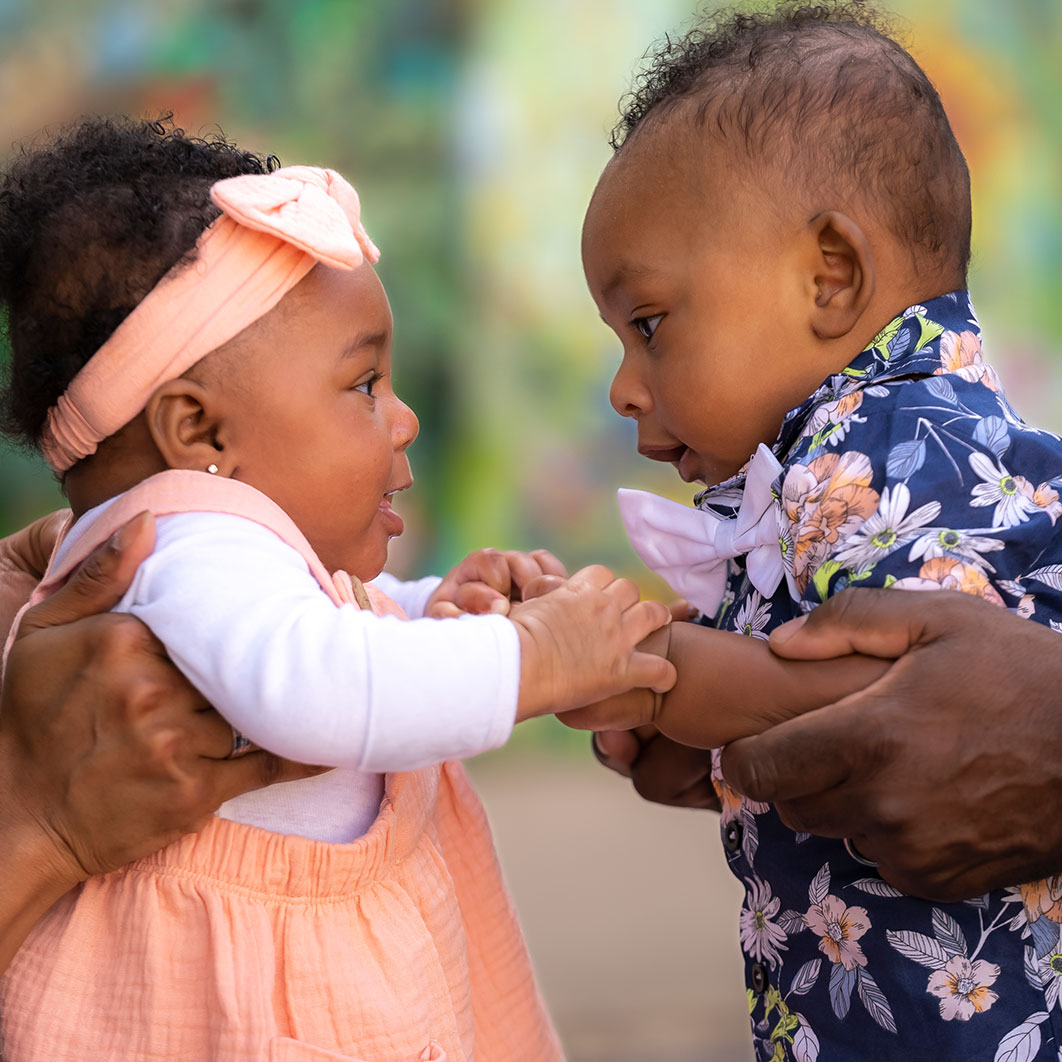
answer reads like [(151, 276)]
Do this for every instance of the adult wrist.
[(37, 870), (43, 859)]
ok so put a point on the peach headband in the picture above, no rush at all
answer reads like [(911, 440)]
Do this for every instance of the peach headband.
[(273, 230)]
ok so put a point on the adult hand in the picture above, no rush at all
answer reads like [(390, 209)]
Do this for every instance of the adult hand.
[(23, 558), (660, 769), (947, 771), (106, 752)]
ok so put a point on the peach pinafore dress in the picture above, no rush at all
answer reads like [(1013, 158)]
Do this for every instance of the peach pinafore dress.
[(237, 944)]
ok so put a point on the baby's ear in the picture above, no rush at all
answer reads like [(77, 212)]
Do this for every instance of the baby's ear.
[(842, 274), (183, 417)]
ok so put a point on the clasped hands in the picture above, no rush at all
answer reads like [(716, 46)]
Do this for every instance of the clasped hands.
[(581, 637)]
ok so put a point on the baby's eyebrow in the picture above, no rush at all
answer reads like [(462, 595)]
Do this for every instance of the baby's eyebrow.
[(362, 340), (623, 272)]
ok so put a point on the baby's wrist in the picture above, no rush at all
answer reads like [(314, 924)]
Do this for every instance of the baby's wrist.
[(659, 644)]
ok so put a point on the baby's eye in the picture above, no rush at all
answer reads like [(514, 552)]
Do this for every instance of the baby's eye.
[(647, 325), (366, 387)]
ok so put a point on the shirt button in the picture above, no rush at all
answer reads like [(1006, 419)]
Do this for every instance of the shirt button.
[(760, 980), (733, 835)]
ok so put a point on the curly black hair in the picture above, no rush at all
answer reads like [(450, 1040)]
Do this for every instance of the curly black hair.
[(826, 95), (89, 224)]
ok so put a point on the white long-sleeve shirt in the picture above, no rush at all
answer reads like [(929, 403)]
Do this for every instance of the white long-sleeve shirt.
[(241, 615)]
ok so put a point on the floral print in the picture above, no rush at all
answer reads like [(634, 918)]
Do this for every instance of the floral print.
[(824, 501), (906, 470), (950, 573), (761, 936), (752, 617), (839, 928), (1012, 496), (963, 987), (889, 528)]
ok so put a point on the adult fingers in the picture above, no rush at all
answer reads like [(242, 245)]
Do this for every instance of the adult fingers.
[(803, 756), (232, 778), (38, 540), (616, 749), (837, 812), (98, 584), (213, 735), (666, 772), (877, 622)]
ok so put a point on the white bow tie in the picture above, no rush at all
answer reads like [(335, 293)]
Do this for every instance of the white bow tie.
[(690, 548)]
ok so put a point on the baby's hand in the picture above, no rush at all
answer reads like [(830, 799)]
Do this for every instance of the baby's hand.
[(632, 708), (490, 579), (579, 644)]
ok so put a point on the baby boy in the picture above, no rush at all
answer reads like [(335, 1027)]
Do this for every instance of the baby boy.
[(781, 243)]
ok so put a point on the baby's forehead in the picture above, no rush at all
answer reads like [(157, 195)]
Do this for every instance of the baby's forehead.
[(677, 160)]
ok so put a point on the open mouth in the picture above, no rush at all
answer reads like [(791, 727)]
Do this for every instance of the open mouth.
[(392, 520)]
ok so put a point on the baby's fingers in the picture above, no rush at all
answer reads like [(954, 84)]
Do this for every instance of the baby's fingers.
[(592, 577), (647, 670), (548, 563), (542, 584), (624, 711), (522, 568), (477, 598), (490, 567), (641, 618)]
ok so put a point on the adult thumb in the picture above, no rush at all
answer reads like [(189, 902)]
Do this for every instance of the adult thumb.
[(100, 581)]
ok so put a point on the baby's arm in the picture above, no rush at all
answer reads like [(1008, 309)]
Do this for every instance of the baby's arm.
[(243, 618), (411, 596), (729, 686)]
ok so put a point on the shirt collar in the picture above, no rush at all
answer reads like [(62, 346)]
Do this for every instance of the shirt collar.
[(908, 347)]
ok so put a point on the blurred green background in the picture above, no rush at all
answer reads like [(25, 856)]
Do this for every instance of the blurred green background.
[(475, 132)]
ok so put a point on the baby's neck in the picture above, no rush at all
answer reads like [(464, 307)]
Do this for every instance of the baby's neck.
[(121, 462)]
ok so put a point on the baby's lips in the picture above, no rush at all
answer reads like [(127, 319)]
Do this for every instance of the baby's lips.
[(666, 454)]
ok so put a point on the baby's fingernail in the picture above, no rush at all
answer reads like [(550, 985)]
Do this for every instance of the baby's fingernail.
[(781, 635), (499, 604)]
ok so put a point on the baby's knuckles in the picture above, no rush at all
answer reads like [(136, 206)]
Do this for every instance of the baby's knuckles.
[(576, 644)]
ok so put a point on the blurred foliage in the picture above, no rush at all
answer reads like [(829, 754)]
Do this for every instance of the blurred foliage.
[(474, 132)]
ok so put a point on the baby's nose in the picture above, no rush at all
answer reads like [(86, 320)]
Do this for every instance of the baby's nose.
[(405, 427), (628, 395)]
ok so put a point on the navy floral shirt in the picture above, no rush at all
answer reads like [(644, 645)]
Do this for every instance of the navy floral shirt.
[(908, 470)]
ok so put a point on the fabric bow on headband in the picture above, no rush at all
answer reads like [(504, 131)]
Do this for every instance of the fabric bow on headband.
[(690, 548), (273, 230)]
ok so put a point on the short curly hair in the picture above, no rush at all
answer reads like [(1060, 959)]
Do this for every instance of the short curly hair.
[(824, 94), (89, 224)]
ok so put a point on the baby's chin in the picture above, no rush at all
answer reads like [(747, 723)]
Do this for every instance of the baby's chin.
[(362, 565)]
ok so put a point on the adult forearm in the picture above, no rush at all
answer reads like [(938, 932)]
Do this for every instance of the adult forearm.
[(34, 876)]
